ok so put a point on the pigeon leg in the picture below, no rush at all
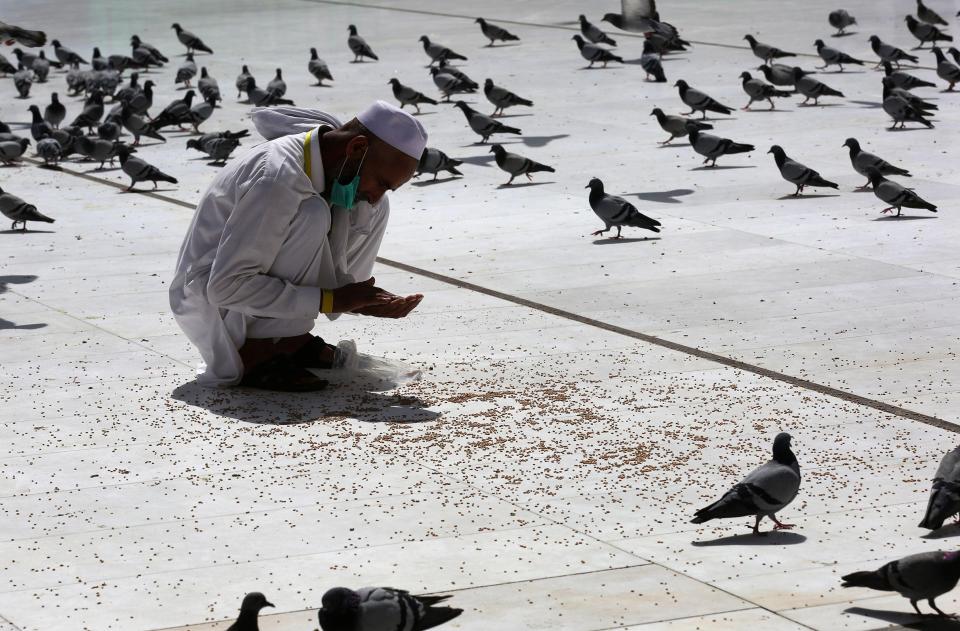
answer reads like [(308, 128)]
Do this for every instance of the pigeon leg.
[(435, 176), (756, 525), (592, 234), (805, 99), (886, 210), (154, 185), (703, 114), (772, 106), (529, 177), (747, 106), (915, 608), (778, 525), (937, 609), (796, 193), (616, 237), (510, 181), (864, 187), (667, 141)]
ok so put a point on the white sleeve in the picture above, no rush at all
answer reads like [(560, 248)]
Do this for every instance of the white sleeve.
[(365, 245), (252, 237)]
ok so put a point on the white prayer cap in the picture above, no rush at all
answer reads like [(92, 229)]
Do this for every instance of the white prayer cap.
[(395, 127)]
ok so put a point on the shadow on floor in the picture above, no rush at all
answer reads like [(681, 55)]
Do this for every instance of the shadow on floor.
[(665, 197), (907, 620), (18, 279), (337, 401), (775, 538), (950, 530)]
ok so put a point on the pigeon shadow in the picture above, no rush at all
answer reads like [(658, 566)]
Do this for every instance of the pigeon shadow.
[(17, 279), (418, 113), (513, 115), (950, 530), (722, 167), (843, 71), (766, 111), (436, 181), (50, 167), (335, 402), (847, 34), (803, 196), (481, 160), (541, 141), (614, 240), (503, 45), (869, 104), (820, 104), (665, 197), (907, 620), (524, 184), (27, 231), (900, 218), (910, 128), (774, 538), (598, 68)]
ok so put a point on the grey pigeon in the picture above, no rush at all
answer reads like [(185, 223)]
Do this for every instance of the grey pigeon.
[(5, 66), (382, 609), (515, 164), (714, 146), (438, 52), (39, 128), (109, 129), (10, 33), (277, 85), (249, 612), (840, 20), (863, 161), (482, 124), (318, 68), (494, 32), (699, 101), (143, 57), (97, 60), (757, 90), (153, 50), (208, 86), (905, 80), (616, 212), (895, 195), (19, 211), (217, 145), (12, 150), (41, 67), (901, 111), (781, 74), (916, 577), (138, 126), (833, 57), (502, 98), (650, 62), (928, 15), (55, 112), (945, 492), (186, 71), (640, 16), (91, 114), (98, 150), (449, 84), (796, 173), (140, 170), (946, 70), (434, 161), (67, 137), (954, 52), (51, 152), (926, 32), (358, 46), (76, 80), (810, 88), (924, 107), (199, 113), (890, 53), (263, 98), (766, 52), (765, 491), (175, 113), (408, 96), (22, 81), (25, 58), (593, 33), (242, 80), (676, 126), (595, 54), (142, 100), (188, 39), (459, 74)]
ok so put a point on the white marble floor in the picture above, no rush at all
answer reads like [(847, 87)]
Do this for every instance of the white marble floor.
[(545, 470)]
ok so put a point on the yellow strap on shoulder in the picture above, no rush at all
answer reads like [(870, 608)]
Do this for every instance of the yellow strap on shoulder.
[(306, 154)]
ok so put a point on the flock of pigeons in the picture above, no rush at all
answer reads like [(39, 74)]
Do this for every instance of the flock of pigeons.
[(94, 134)]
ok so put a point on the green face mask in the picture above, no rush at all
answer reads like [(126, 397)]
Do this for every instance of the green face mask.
[(345, 195)]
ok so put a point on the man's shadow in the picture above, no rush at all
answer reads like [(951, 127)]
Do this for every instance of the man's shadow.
[(355, 400)]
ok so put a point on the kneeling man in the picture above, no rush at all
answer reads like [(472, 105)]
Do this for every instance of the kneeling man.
[(287, 231)]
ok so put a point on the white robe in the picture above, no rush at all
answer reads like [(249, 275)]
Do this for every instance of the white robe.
[(263, 244)]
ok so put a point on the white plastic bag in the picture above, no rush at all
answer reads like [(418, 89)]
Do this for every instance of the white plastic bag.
[(376, 373)]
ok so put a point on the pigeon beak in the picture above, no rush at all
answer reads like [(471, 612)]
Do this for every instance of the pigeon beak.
[(268, 604), (769, 150), (587, 186)]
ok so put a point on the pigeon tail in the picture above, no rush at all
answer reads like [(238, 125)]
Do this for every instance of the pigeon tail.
[(739, 147), (872, 580), (536, 167), (943, 504), (819, 181), (735, 503), (718, 108), (436, 616)]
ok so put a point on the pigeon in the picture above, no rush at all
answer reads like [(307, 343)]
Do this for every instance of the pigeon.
[(242, 80), (11, 34), (887, 52), (41, 67), (765, 491), (494, 32), (39, 128), (76, 80), (121, 62), (191, 41), (928, 15), (263, 98), (896, 195), (449, 84), (66, 56), (98, 150), (900, 110), (140, 170), (946, 70), (663, 44), (676, 126), (143, 56), (714, 146), (318, 68), (176, 112), (916, 577), (249, 611), (924, 107), (19, 211), (97, 60), (22, 81), (382, 609), (482, 124), (67, 137), (780, 74), (438, 52), (810, 88), (50, 150), (12, 150), (945, 493), (796, 173), (5, 66), (863, 161), (434, 161), (954, 52), (594, 34), (594, 53), (766, 52), (199, 113), (650, 62), (502, 98), (25, 57), (459, 74), (408, 96), (186, 71), (91, 114), (358, 46), (757, 90), (208, 86), (905, 80), (130, 90), (515, 164), (153, 50), (217, 145), (142, 100), (109, 129), (699, 101), (834, 57), (616, 211), (926, 32), (840, 20), (277, 85), (640, 16)]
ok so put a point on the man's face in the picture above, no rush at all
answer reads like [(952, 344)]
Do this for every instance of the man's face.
[(384, 168)]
